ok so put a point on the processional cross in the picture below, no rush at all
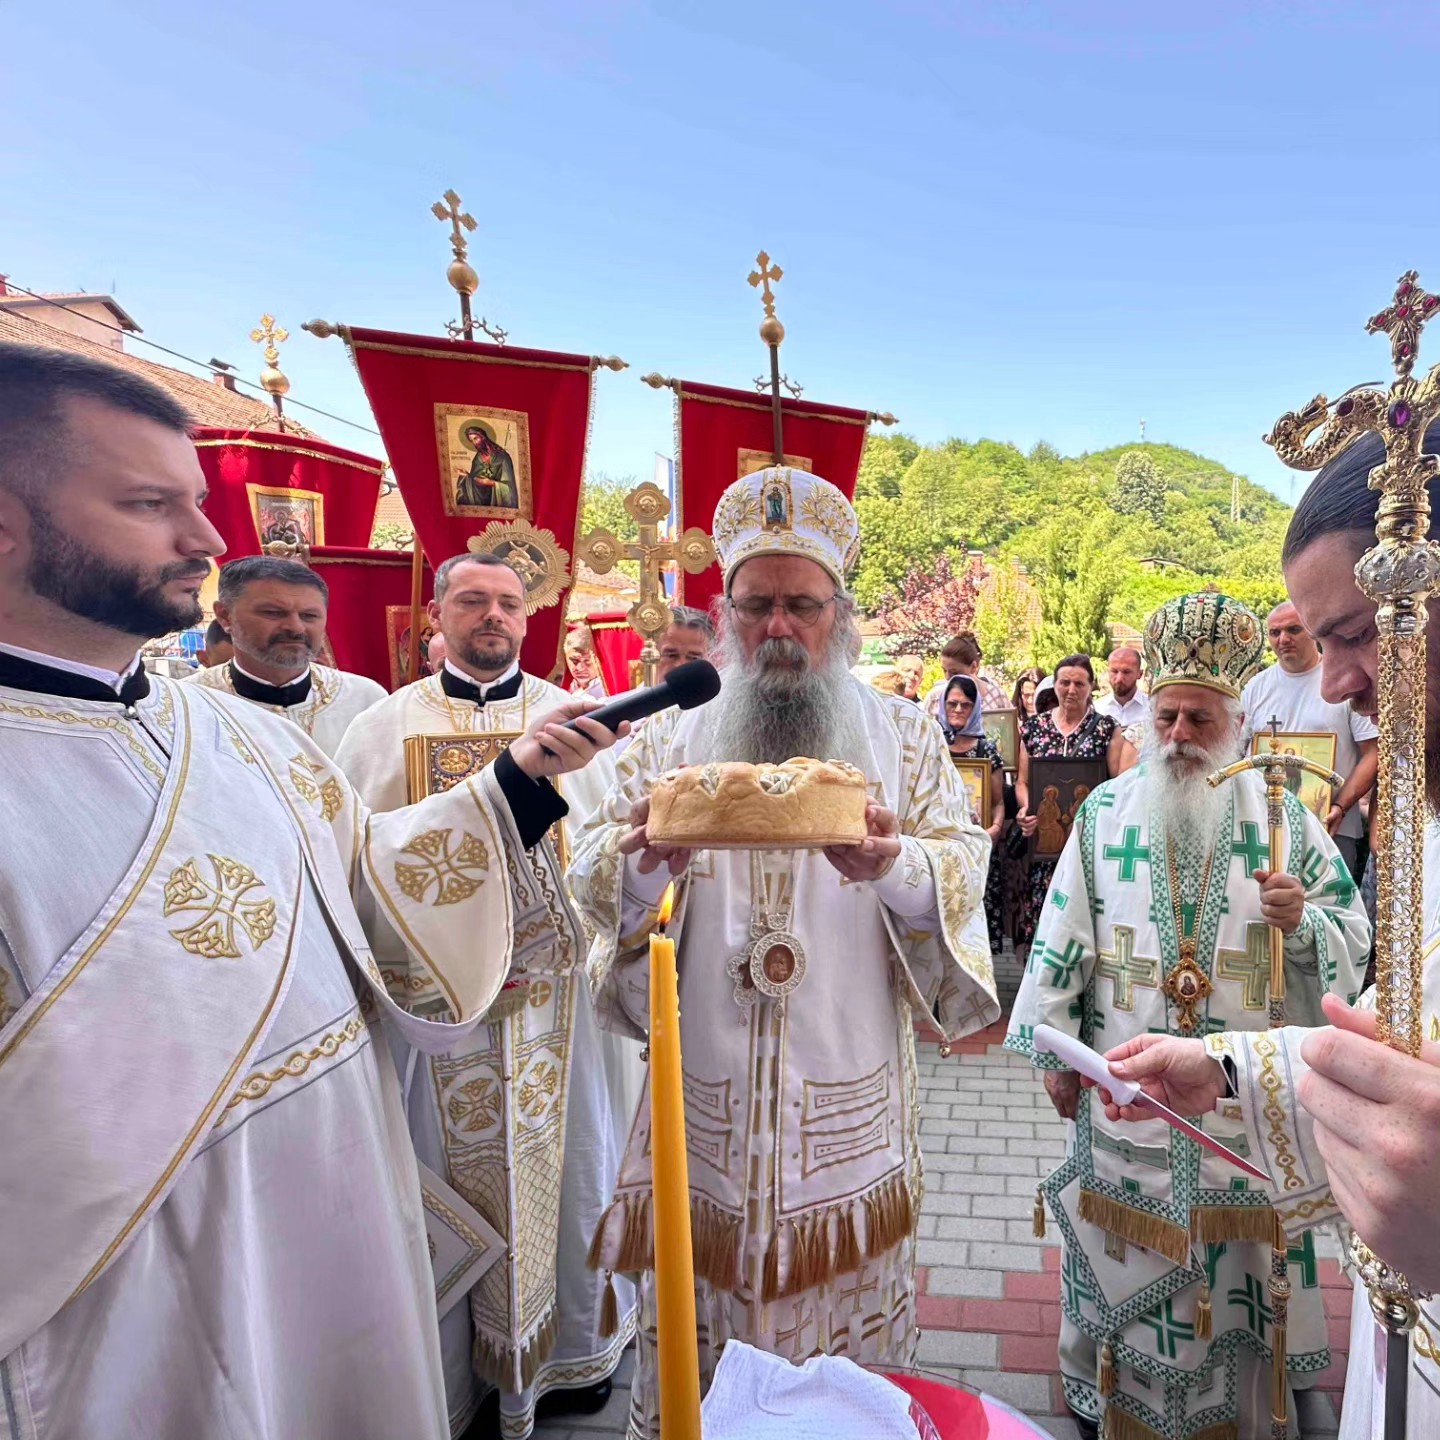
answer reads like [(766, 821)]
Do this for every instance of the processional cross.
[(648, 505), (273, 381), (1399, 574), (461, 274)]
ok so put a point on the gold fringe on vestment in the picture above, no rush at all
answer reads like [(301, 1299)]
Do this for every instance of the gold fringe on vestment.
[(1245, 1224), (495, 1362), (1137, 1227), (714, 1239), (1122, 1425)]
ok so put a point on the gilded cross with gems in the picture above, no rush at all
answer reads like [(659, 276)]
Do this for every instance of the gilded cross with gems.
[(1127, 969), (460, 273), (273, 380), (1399, 573), (648, 505), (1277, 768)]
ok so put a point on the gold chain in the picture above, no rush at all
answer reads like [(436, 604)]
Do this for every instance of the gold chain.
[(1176, 901)]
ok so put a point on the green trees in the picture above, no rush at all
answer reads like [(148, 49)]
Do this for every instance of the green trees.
[(1139, 489)]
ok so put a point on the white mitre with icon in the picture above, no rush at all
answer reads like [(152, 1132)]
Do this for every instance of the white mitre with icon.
[(782, 511)]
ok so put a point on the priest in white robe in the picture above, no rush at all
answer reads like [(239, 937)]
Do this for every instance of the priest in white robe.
[(1345, 1127), (802, 1127), (541, 1320), (214, 1223), (275, 611)]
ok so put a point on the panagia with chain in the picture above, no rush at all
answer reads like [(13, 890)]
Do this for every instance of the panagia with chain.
[(801, 970)]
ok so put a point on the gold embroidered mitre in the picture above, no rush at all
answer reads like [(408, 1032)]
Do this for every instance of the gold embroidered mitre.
[(1204, 639), (781, 511)]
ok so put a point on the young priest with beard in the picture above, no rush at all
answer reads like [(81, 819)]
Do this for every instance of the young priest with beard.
[(533, 1148), (1157, 920), (214, 1223), (803, 1210), (275, 611)]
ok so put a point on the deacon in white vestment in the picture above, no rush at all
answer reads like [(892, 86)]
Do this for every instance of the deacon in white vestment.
[(519, 1118), (275, 611), (801, 1126), (1345, 1127), (214, 1223), (1156, 921)]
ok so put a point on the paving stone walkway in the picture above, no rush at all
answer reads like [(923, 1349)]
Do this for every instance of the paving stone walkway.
[(989, 1290)]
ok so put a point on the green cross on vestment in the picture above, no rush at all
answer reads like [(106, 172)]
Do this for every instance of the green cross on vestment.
[(1077, 1288), (1062, 964), (1342, 887), (1254, 851), (1168, 1330), (1128, 854), (1059, 899), (1313, 869), (1127, 969), (1213, 1252), (1303, 1255), (1252, 1297), (1250, 966)]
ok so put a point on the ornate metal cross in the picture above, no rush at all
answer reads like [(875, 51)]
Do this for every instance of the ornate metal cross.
[(460, 273), (761, 276), (772, 332), (272, 379), (448, 208), (602, 550)]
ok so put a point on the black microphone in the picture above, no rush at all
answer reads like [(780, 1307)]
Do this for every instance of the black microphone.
[(686, 685)]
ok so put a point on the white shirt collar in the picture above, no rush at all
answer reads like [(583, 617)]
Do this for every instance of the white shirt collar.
[(284, 685), (484, 686), (57, 662)]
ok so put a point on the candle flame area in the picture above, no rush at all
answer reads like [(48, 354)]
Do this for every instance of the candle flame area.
[(667, 905)]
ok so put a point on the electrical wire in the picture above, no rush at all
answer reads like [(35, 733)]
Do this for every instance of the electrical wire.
[(188, 359)]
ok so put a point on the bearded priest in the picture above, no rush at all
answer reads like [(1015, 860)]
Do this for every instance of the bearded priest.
[(1158, 920), (214, 1219), (519, 1119), (275, 611), (802, 1128)]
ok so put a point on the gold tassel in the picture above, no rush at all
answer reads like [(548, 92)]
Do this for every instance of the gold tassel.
[(1204, 1325), (847, 1243), (1107, 1370), (609, 1308), (1244, 1224), (770, 1280), (1038, 1220), (1136, 1226)]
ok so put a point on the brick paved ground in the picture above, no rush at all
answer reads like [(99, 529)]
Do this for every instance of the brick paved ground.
[(989, 1303)]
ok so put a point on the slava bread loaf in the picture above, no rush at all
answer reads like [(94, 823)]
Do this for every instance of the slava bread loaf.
[(801, 804)]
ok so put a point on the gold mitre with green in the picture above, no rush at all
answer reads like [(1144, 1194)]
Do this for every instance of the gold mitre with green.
[(1204, 639), (782, 511)]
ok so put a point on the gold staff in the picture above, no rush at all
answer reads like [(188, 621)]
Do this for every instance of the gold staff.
[(1399, 574), (1277, 768)]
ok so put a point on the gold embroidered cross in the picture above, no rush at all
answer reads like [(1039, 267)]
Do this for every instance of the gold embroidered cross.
[(1250, 966), (224, 905), (536, 1091), (475, 1105), (457, 873), (1127, 969)]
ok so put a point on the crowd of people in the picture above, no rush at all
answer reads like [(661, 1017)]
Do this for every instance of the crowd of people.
[(323, 1098)]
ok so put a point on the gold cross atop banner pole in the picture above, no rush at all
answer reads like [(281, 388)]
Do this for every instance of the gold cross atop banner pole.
[(461, 273), (772, 332), (1399, 574), (601, 550), (273, 380)]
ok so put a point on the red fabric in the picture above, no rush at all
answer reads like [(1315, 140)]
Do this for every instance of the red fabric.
[(955, 1413), (717, 424), (618, 647), (235, 460), (369, 626), (417, 385)]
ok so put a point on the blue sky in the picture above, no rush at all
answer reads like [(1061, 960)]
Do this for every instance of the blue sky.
[(1024, 221)]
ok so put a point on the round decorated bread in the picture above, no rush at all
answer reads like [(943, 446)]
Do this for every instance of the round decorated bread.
[(800, 804)]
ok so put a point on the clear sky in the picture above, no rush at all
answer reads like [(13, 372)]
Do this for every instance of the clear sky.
[(1023, 220)]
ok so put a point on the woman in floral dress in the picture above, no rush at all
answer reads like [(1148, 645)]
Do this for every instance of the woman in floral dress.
[(1071, 731)]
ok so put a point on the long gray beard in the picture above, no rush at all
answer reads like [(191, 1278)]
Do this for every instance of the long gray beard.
[(769, 712), (1192, 809)]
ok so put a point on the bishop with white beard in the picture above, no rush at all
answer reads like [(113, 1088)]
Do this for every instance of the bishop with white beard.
[(275, 611), (519, 1118), (801, 1119), (1157, 920)]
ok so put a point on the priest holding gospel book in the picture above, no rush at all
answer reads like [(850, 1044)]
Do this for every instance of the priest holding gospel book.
[(801, 961), (214, 1222)]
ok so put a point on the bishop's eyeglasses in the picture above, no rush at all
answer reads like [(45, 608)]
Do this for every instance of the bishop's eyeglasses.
[(802, 610)]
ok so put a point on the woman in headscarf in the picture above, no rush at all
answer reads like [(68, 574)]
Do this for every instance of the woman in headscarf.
[(962, 719)]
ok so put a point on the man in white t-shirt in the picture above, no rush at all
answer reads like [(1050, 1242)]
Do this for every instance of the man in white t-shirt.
[(1290, 692), (1126, 704)]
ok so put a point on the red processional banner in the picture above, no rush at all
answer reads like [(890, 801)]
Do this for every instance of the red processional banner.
[(369, 624), (617, 647), (488, 447), (269, 485), (725, 434)]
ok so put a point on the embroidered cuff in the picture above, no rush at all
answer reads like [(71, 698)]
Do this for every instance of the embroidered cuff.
[(535, 804), (1304, 936), (907, 888)]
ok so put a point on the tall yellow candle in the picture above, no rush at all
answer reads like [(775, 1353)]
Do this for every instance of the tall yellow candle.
[(678, 1353)]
